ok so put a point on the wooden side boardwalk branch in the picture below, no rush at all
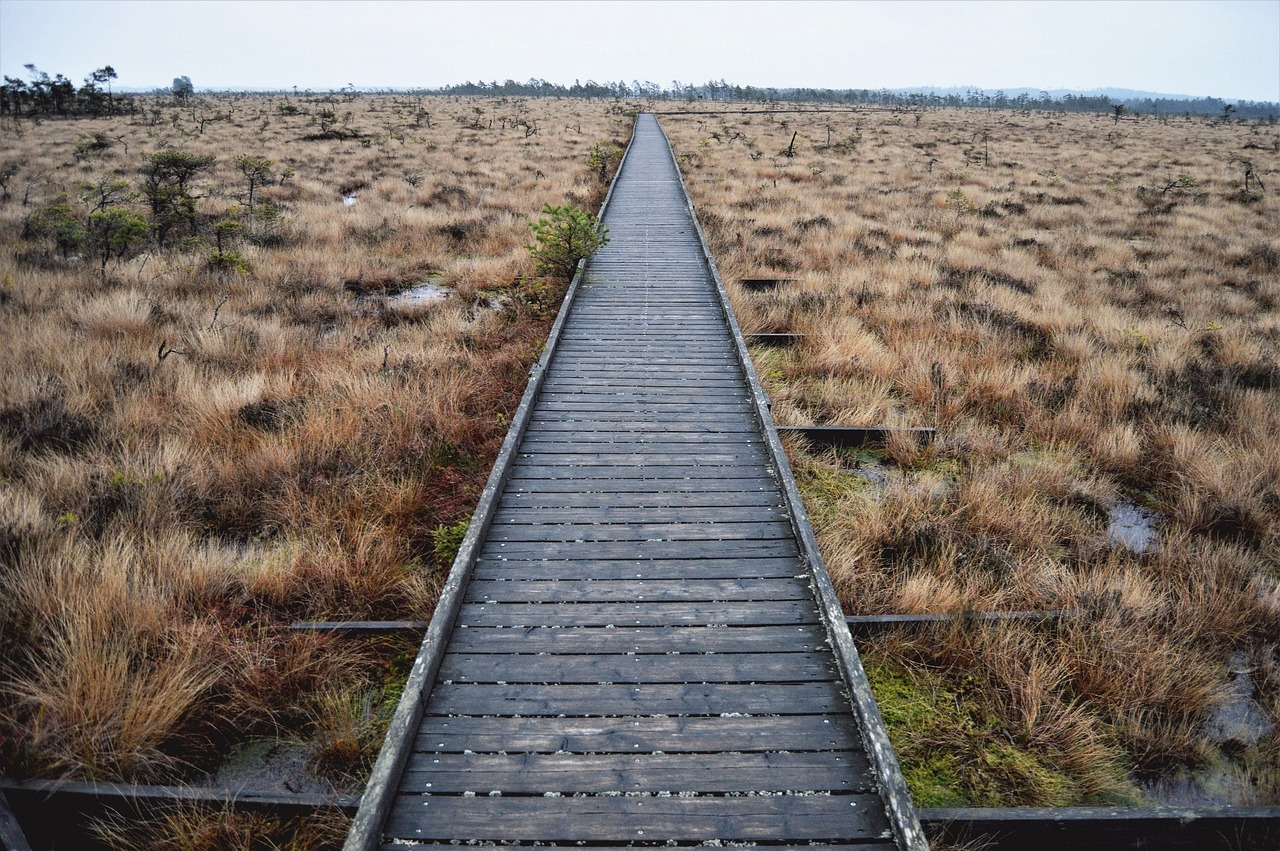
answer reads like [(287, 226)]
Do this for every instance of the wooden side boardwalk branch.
[(638, 643)]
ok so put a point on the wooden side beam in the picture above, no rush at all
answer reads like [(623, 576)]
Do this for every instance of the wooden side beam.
[(60, 814), (865, 625), (757, 285), (854, 437), (769, 339), (1113, 828), (11, 835), (361, 627)]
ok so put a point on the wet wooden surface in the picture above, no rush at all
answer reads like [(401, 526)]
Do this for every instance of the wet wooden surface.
[(638, 656)]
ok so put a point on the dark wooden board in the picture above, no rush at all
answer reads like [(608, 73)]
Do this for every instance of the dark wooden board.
[(721, 475), (646, 734), (675, 393), (743, 456), (592, 532), (637, 590), (623, 639), (648, 516), (756, 613), (814, 771), (591, 441), (650, 819), (870, 845), (593, 550), (604, 503), (654, 484), (638, 668), (699, 425), (603, 570), (646, 698), (615, 374)]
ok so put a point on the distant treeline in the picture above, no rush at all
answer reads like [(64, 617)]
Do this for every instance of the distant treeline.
[(46, 96), (973, 98)]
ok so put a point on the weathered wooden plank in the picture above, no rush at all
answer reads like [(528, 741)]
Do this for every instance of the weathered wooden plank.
[(646, 698), (613, 409), (646, 734), (580, 440), (646, 485), (745, 456), (603, 503), (675, 393), (610, 569), (624, 358), (650, 639), (613, 374), (620, 532), (609, 550), (509, 515), (637, 590), (870, 845), (711, 473), (638, 668), (814, 771), (650, 819), (649, 613), (700, 425)]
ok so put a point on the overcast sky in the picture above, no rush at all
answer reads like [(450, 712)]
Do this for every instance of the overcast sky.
[(1223, 48)]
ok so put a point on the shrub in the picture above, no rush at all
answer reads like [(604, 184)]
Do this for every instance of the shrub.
[(564, 237), (603, 158), (447, 540)]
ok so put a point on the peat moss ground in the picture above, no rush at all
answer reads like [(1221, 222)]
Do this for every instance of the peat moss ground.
[(1088, 312), (220, 423)]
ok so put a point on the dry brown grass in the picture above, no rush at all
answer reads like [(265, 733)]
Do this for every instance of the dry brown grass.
[(164, 516), (1079, 333)]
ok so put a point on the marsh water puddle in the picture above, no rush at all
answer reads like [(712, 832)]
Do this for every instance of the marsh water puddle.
[(419, 295), (1132, 526), (348, 200), (871, 470), (1237, 721), (1238, 717), (269, 765)]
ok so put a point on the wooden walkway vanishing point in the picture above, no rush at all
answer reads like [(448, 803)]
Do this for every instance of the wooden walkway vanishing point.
[(638, 644)]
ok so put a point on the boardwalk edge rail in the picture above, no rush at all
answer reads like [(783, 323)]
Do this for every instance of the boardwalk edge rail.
[(366, 829), (900, 810)]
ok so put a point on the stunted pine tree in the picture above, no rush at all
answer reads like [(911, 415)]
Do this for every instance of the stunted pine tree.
[(257, 171), (168, 178)]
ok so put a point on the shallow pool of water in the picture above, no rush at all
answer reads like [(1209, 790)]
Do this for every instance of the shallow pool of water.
[(269, 765), (1132, 526), (1237, 721), (348, 200), (421, 294)]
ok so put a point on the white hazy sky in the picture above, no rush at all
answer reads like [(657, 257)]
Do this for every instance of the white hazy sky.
[(1222, 48)]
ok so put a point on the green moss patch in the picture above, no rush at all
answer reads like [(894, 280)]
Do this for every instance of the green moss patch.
[(954, 750)]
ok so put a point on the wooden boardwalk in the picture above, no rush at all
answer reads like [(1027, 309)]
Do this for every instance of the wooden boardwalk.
[(638, 644)]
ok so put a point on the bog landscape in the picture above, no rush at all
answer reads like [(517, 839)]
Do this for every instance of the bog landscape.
[(261, 352)]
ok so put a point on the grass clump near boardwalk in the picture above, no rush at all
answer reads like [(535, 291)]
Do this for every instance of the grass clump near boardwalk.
[(222, 424), (1088, 312)]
